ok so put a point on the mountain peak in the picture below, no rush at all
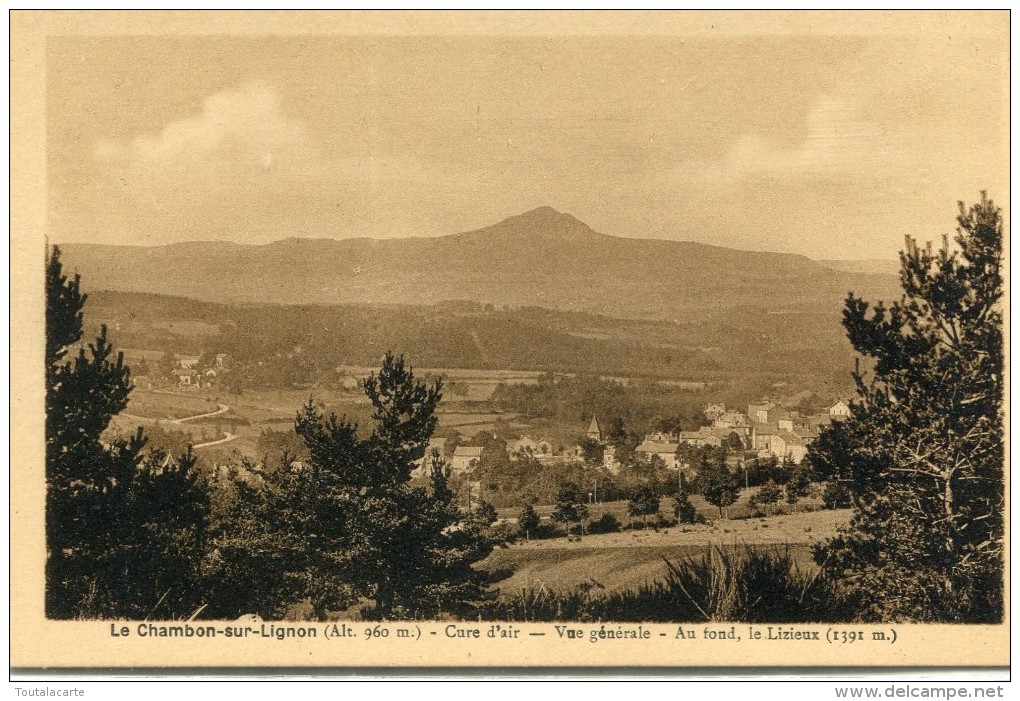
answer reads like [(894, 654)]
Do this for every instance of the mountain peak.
[(544, 214), (541, 223), (543, 211)]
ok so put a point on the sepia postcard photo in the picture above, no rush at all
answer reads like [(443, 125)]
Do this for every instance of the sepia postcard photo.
[(509, 339)]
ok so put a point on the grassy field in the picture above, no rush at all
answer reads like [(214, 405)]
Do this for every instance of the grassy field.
[(627, 559), (254, 411), (166, 406)]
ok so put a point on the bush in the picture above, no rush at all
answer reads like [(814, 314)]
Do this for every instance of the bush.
[(757, 585), (606, 524), (484, 514), (502, 532), (546, 531)]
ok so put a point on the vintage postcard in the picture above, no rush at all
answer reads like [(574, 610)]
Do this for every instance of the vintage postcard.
[(509, 339)]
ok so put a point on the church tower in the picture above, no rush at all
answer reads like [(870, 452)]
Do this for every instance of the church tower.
[(594, 432)]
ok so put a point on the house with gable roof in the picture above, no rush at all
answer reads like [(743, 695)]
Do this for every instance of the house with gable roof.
[(839, 410), (665, 450), (714, 411), (525, 444), (464, 458)]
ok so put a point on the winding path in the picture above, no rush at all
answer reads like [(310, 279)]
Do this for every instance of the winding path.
[(226, 437), (223, 409)]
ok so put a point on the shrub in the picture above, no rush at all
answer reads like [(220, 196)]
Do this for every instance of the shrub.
[(484, 514), (502, 532), (606, 524), (546, 531)]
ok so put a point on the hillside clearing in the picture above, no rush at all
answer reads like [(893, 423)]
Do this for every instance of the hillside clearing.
[(616, 561)]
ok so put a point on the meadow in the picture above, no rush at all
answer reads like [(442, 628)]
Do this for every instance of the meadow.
[(628, 559), (168, 406), (254, 411)]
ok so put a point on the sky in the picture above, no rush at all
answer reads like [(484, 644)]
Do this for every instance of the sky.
[(831, 146)]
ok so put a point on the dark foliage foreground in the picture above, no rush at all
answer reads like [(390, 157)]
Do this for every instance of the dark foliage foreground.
[(922, 454)]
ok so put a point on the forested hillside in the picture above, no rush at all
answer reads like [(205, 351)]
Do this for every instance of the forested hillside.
[(284, 345)]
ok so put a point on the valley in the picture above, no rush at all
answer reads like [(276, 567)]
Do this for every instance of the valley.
[(535, 326)]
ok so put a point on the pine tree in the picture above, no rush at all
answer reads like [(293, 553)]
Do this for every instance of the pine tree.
[(485, 514), (685, 511), (348, 527), (836, 495), (163, 540), (113, 540), (528, 521), (799, 483), (446, 579), (258, 552), (767, 495), (166, 365), (570, 506), (644, 503), (922, 452), (719, 486)]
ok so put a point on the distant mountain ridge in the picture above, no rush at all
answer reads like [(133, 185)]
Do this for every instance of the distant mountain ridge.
[(539, 258)]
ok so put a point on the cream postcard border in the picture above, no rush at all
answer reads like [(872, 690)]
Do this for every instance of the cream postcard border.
[(37, 642)]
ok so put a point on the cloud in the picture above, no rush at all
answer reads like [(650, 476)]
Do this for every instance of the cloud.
[(241, 168), (239, 128), (836, 142)]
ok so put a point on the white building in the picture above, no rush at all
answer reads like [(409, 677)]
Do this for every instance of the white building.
[(840, 409), (465, 457)]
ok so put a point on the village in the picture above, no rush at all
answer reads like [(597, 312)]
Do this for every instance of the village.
[(492, 452), (767, 429), (157, 370)]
